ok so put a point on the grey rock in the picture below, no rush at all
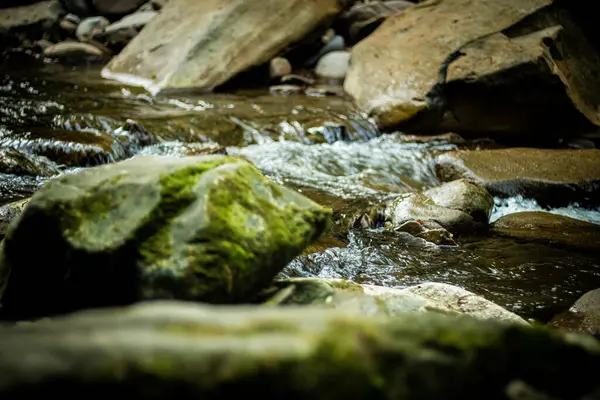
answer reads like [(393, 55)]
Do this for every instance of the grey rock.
[(222, 40), (464, 196), (16, 162), (279, 67), (583, 316), (288, 352), (136, 21), (333, 65), (91, 27), (74, 51), (205, 228)]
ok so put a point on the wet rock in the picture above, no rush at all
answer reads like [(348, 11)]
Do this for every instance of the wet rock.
[(285, 89), (464, 196), (156, 60), (333, 42), (75, 52), (552, 177), (497, 72), (583, 316), (372, 300), (548, 228), (69, 23), (69, 147), (16, 162), (30, 21), (324, 90), (10, 212), (282, 352), (279, 67), (91, 27), (116, 7), (206, 228), (136, 21), (463, 207), (333, 65), (363, 18), (296, 79)]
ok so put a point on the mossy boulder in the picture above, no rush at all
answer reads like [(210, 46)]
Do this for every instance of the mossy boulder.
[(189, 351), (207, 228)]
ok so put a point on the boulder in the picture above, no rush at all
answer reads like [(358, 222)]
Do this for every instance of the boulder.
[(30, 21), (547, 228), (373, 300), (205, 228), (459, 207), (190, 351), (505, 84), (464, 196), (551, 176), (583, 316), (202, 44)]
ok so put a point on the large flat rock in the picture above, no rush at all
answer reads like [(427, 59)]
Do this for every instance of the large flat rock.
[(202, 44), (549, 228), (551, 176), (189, 351)]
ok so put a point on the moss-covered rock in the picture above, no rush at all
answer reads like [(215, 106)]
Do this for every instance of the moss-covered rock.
[(207, 228), (188, 351)]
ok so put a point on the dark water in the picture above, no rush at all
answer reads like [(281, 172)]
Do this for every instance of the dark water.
[(320, 146)]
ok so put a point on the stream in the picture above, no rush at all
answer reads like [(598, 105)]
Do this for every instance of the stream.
[(319, 146)]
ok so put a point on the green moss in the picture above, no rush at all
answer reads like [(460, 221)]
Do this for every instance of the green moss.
[(248, 240), (347, 286), (177, 193)]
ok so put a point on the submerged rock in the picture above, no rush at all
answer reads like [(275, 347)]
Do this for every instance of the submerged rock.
[(371, 299), (583, 316), (10, 212), (552, 177), (202, 45), (16, 162), (553, 229), (150, 349), (206, 228)]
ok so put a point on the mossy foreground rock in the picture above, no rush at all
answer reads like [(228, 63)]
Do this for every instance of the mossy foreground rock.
[(208, 228), (187, 351)]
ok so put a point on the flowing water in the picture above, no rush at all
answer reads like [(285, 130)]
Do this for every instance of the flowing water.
[(319, 146)]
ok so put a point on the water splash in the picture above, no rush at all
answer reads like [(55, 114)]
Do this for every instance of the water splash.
[(519, 204)]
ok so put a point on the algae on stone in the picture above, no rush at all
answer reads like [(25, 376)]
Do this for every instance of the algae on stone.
[(207, 228), (303, 353)]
